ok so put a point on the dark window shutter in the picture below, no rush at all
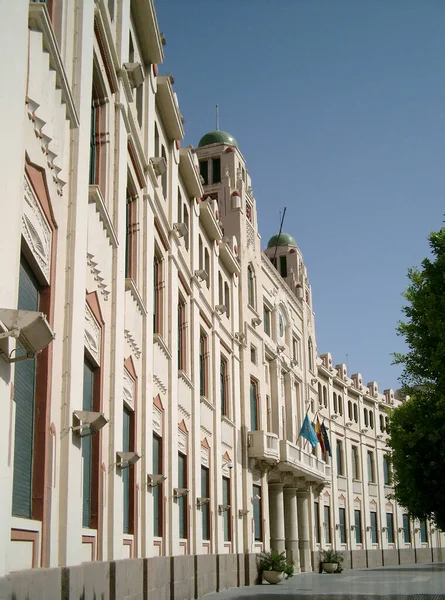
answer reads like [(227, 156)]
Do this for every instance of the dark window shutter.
[(88, 391), (24, 390), (126, 472)]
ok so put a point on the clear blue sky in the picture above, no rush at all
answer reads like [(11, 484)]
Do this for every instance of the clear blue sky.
[(338, 107)]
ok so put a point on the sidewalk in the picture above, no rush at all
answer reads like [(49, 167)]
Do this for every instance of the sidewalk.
[(416, 582)]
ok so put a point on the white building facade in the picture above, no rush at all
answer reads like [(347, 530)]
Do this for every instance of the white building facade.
[(155, 409)]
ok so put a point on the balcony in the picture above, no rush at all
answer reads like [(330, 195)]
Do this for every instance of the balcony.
[(302, 462), (263, 446)]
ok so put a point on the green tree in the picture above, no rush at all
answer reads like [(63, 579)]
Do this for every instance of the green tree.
[(417, 428)]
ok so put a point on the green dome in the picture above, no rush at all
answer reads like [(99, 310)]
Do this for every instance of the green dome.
[(284, 240), (218, 137)]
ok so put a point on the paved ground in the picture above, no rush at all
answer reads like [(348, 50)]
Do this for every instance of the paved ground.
[(416, 582)]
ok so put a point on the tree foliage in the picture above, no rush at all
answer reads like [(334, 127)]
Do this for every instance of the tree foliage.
[(417, 428)]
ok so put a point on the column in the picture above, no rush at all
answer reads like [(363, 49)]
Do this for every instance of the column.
[(304, 544), (276, 516), (291, 526)]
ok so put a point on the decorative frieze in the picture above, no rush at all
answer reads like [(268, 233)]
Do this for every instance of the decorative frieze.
[(36, 230), (92, 336), (157, 420), (129, 389)]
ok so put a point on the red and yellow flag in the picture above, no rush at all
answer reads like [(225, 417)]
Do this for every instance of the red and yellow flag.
[(320, 437)]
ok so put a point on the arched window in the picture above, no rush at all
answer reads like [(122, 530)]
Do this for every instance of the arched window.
[(334, 397), (371, 419), (207, 266), (320, 399), (310, 349), (386, 471), (227, 298), (220, 289), (365, 416), (200, 253), (340, 405), (355, 413), (325, 397), (350, 410), (250, 286)]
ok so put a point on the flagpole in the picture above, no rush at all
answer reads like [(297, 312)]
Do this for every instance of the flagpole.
[(299, 435)]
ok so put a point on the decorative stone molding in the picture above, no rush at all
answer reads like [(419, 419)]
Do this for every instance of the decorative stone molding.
[(184, 412), (129, 389), (92, 336), (205, 456), (182, 441), (158, 419), (132, 343), (250, 235), (36, 230), (161, 386), (96, 273)]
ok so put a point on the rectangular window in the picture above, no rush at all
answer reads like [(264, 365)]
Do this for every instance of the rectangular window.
[(157, 145), (140, 103), (216, 170), (374, 534), (406, 529), (253, 354), (164, 176), (342, 519), (158, 489), (227, 514), (205, 508), (371, 477), (316, 522), (283, 266), (158, 285), (266, 320), (203, 365), (250, 287), (182, 500), (94, 118), (253, 405), (386, 471), (204, 171), (130, 239), (295, 349), (257, 513), (340, 469), (182, 337), (327, 524), (24, 396), (390, 526), (127, 474), (87, 446), (355, 463), (223, 382), (358, 526), (423, 531)]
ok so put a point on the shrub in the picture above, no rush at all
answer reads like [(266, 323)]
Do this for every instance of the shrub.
[(272, 561)]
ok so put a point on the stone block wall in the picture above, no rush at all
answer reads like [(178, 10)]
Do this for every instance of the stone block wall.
[(423, 555), (206, 574), (407, 556), (358, 559), (374, 558)]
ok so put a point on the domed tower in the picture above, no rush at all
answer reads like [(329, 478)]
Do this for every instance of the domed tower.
[(226, 180), (283, 252)]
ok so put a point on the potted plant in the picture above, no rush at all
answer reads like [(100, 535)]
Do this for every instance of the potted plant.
[(272, 565), (331, 560), (289, 570)]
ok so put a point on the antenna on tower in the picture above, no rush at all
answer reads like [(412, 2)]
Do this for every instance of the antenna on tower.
[(217, 117), (279, 233)]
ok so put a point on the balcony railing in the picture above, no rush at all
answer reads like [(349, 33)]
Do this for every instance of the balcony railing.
[(302, 461), (263, 446)]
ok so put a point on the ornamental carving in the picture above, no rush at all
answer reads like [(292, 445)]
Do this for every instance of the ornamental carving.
[(129, 389), (157, 420), (36, 230), (92, 335)]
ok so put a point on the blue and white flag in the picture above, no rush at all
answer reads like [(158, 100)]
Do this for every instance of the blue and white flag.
[(308, 432)]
